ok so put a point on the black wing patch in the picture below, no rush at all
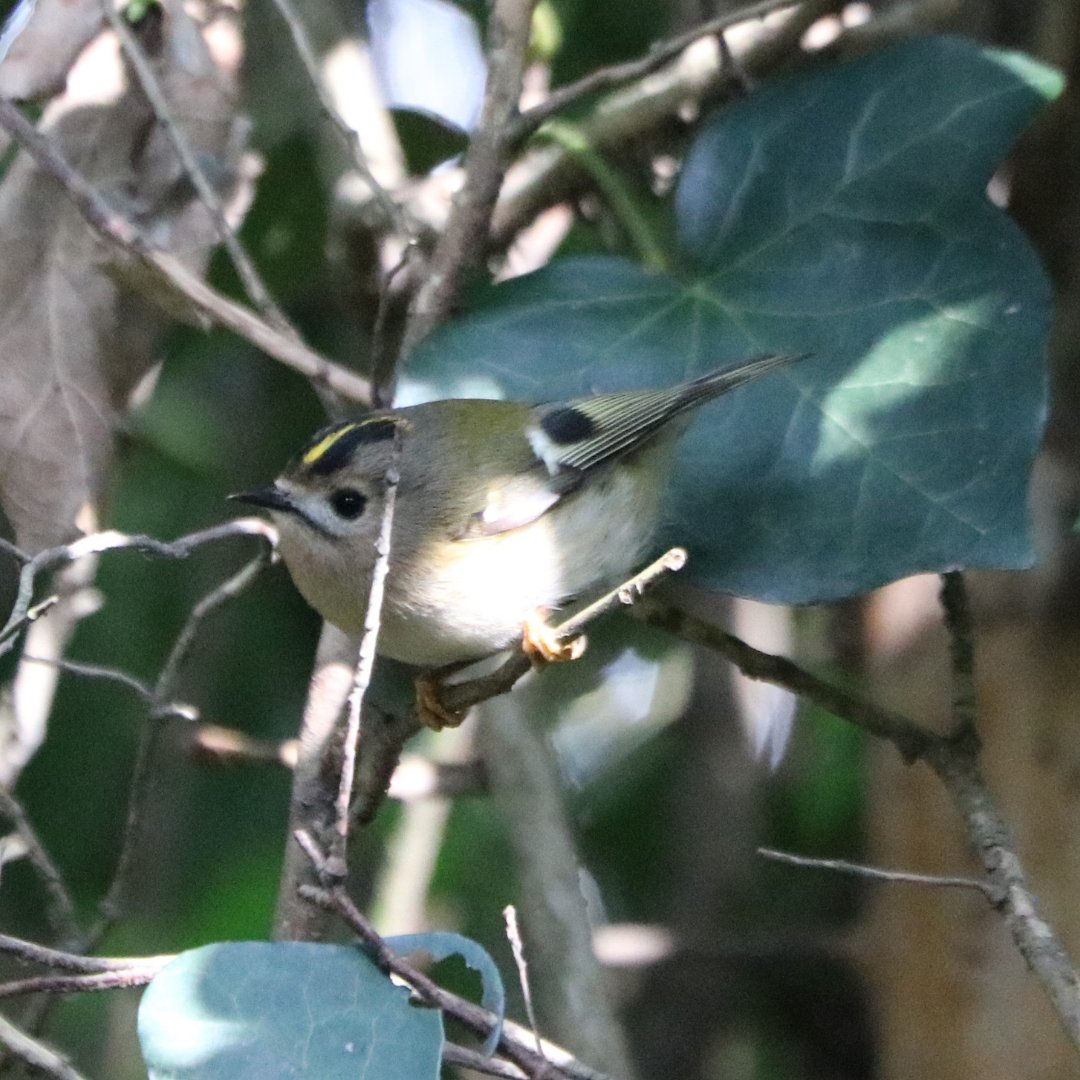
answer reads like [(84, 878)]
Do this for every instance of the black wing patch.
[(566, 424)]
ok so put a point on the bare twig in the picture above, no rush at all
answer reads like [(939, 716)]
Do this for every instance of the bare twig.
[(383, 364), (365, 663), (956, 606), (955, 760), (573, 997), (461, 696), (155, 94), (517, 946), (159, 708), (35, 1054), (873, 873), (395, 216), (453, 1054), (614, 75), (912, 740), (60, 907), (221, 745), (139, 973), (166, 273), (419, 777), (464, 240), (548, 174), (8, 548), (28, 952), (213, 600), (111, 540), (478, 1020)]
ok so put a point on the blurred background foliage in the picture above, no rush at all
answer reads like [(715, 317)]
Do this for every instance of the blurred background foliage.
[(760, 974)]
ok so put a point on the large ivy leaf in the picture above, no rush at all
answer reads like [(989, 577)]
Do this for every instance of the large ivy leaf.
[(253, 1010), (841, 212)]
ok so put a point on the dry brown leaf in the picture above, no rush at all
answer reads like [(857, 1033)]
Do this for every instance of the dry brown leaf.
[(74, 340), (43, 39)]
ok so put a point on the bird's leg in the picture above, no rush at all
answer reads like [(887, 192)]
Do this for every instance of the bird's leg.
[(541, 644), (429, 705)]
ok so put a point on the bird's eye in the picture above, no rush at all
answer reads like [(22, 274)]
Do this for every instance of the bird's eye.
[(348, 503)]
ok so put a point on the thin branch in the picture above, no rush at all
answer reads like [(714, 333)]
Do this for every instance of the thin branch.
[(659, 54), (159, 709), (176, 549), (517, 947), (461, 696), (35, 1054), (873, 873), (365, 663), (463, 242), (383, 364), (137, 974), (111, 540), (453, 1054), (478, 1020), (213, 744), (956, 763), (227, 590), (417, 778), (548, 175), (29, 952), (572, 989), (155, 94), (955, 760), (164, 272), (60, 907), (912, 740), (394, 214), (956, 606), (8, 548)]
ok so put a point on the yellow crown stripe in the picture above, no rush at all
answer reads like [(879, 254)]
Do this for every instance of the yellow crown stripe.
[(324, 444)]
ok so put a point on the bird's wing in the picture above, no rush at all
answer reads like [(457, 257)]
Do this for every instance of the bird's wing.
[(581, 435)]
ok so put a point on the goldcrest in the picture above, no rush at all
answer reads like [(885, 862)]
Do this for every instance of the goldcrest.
[(504, 511)]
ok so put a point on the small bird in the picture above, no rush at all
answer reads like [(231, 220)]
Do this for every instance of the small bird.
[(505, 511)]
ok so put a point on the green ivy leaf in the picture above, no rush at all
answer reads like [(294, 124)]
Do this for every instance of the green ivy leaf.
[(252, 1010), (841, 212), (441, 944)]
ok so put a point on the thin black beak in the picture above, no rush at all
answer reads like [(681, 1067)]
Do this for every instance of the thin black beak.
[(271, 497)]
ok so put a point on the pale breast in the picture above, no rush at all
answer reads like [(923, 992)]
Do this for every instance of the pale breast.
[(473, 598)]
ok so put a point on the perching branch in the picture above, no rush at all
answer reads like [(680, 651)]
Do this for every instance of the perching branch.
[(383, 749)]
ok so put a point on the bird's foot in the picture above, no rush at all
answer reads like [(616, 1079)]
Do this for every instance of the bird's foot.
[(542, 645)]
